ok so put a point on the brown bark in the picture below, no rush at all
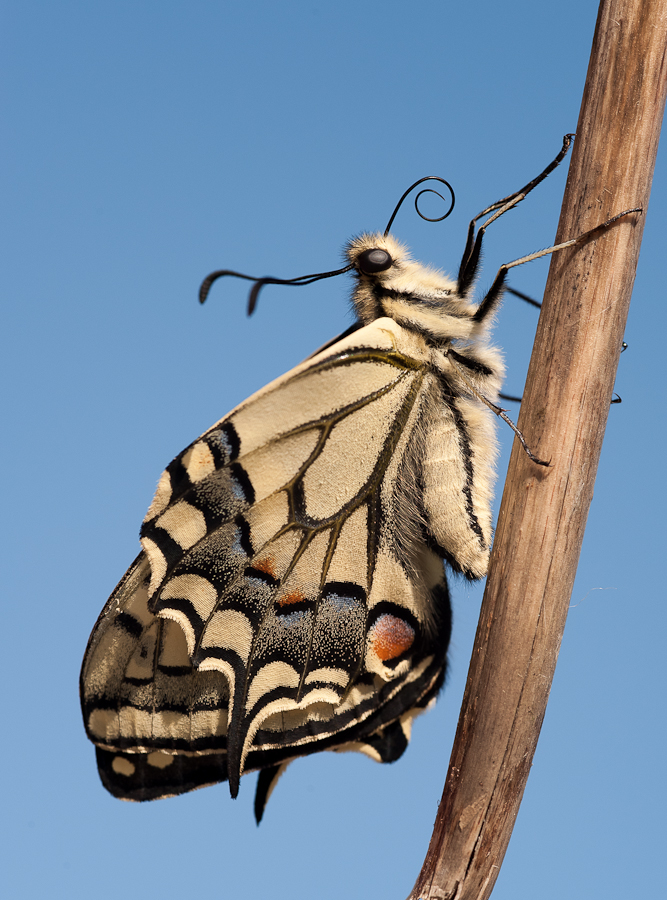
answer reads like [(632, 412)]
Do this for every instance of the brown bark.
[(564, 412)]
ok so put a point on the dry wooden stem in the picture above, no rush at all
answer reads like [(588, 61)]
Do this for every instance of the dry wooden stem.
[(566, 401)]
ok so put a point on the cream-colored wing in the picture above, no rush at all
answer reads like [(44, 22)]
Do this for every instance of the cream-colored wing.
[(293, 570), (159, 724)]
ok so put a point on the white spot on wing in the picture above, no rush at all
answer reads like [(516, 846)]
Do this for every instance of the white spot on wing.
[(273, 675), (333, 676), (221, 665), (159, 760), (104, 724), (198, 590), (157, 563), (198, 462), (231, 630), (123, 766), (161, 498), (184, 524)]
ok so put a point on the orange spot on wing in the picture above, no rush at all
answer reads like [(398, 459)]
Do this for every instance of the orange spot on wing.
[(391, 636), (266, 565), (293, 596)]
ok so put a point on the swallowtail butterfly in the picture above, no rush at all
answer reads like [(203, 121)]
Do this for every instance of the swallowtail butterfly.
[(290, 595)]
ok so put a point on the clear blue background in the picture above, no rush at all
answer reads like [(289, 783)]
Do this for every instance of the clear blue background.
[(150, 142)]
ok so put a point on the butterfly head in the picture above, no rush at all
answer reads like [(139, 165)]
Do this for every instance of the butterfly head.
[(390, 283)]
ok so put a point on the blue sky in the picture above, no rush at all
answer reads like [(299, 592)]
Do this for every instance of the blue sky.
[(149, 143)]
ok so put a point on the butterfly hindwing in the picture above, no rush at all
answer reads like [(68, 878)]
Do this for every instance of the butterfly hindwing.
[(286, 599)]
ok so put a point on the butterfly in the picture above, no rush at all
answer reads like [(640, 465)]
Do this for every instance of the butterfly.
[(290, 595)]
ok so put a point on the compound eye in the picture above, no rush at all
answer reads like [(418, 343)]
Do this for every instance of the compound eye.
[(372, 261)]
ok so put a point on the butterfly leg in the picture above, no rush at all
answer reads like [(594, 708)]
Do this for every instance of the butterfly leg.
[(471, 255), (490, 301)]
